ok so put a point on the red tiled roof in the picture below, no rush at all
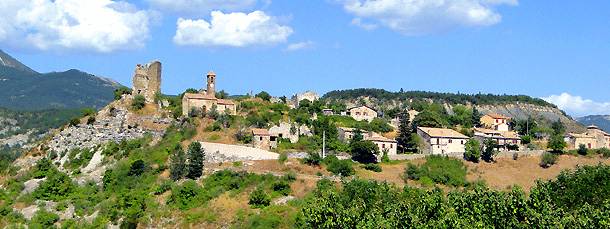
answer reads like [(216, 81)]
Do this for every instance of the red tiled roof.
[(442, 132), (211, 73), (264, 132), (380, 139), (225, 101), (498, 116), (199, 96)]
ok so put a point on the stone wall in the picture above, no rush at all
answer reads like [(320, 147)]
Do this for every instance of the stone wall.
[(311, 96), (147, 80), (285, 130)]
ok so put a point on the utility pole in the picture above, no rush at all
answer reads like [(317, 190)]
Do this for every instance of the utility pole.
[(323, 144)]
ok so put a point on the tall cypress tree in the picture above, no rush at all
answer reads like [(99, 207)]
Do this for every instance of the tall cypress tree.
[(196, 159), (178, 169), (406, 139)]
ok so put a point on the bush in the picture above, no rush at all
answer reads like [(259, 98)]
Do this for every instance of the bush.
[(440, 169), (372, 167), (44, 219), (281, 187), (42, 168), (582, 149), (525, 139), (283, 157), (187, 196), (90, 120), (473, 150), (330, 159), (121, 91), (342, 167), (604, 152), (74, 121), (515, 156), (259, 199), (313, 159), (548, 159), (138, 102)]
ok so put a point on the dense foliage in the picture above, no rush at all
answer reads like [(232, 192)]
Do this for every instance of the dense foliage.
[(440, 170), (478, 99), (565, 203)]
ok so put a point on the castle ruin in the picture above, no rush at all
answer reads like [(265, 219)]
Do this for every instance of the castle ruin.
[(147, 80)]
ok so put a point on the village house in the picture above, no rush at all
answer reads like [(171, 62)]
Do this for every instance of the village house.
[(206, 99), (495, 122), (262, 139), (503, 138), (362, 113), (594, 138), (384, 143), (441, 140), (327, 111), (291, 132)]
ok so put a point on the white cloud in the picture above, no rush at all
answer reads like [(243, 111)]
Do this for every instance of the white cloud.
[(577, 106), (421, 17), (309, 45), (236, 30), (64, 26), (195, 8), (366, 26)]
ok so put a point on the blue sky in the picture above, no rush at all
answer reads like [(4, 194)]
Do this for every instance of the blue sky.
[(556, 50)]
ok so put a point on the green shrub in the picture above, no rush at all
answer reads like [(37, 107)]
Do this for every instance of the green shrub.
[(313, 159), (281, 187), (121, 91), (44, 219), (330, 159), (89, 111), (604, 152), (187, 196), (164, 186), (283, 157), (259, 199), (341, 167), (372, 167), (138, 102), (515, 156), (214, 137), (440, 169), (74, 121), (90, 120), (582, 149), (42, 168), (58, 186), (237, 163), (548, 159)]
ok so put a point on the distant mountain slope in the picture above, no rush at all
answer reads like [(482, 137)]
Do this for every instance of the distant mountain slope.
[(24, 89), (9, 61), (601, 121)]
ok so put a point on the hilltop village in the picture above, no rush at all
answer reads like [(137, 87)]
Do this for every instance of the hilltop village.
[(205, 159), (447, 140)]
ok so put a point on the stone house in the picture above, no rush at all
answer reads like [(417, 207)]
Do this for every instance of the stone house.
[(311, 96), (292, 132), (327, 111), (147, 80), (344, 134), (495, 121), (441, 140), (384, 144), (362, 112), (206, 99), (501, 137), (594, 138), (262, 139)]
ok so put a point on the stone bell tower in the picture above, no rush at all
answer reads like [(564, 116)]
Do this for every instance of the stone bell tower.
[(211, 83)]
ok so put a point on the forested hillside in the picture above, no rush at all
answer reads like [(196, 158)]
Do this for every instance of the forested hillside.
[(24, 89), (601, 121)]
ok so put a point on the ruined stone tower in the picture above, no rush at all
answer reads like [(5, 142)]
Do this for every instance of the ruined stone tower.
[(211, 81), (147, 80)]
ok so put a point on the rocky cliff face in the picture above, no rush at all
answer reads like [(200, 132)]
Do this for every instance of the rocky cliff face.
[(544, 115)]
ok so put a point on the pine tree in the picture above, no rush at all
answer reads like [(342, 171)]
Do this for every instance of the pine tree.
[(178, 169), (196, 159), (406, 139)]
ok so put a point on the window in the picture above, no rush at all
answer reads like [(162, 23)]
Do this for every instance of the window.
[(462, 142), (357, 113), (391, 146), (450, 141), (437, 141), (383, 146), (365, 114)]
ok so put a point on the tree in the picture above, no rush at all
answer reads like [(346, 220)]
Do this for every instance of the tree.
[(364, 151), (476, 117), (119, 92), (558, 127), (259, 199), (178, 167), (263, 95), (74, 121), (138, 102), (490, 149), (407, 140), (473, 150), (556, 144), (222, 95), (196, 159), (582, 149), (357, 136), (427, 118)]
